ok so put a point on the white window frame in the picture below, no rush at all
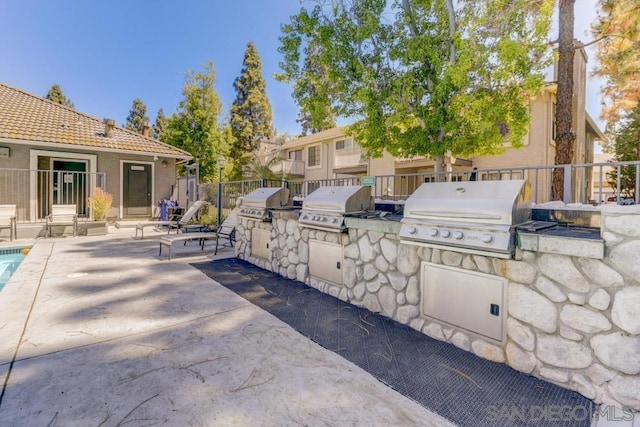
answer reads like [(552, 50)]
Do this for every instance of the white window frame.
[(345, 146), (319, 165)]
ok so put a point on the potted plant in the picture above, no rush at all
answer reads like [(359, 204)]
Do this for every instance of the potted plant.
[(99, 203)]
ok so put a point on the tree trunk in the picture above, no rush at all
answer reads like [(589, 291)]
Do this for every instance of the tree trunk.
[(565, 136)]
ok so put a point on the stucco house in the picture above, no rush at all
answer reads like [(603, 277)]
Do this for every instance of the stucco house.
[(332, 155), (52, 154)]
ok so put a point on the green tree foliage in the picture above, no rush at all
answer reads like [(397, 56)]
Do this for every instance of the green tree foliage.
[(55, 95), (137, 116), (428, 77), (160, 125), (251, 116), (627, 149), (618, 30), (195, 127)]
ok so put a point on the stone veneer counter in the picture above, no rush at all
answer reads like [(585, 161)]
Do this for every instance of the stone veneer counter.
[(572, 312)]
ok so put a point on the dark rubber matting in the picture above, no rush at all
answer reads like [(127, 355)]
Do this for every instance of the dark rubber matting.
[(456, 384)]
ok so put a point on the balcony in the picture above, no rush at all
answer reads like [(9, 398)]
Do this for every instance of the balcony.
[(349, 158), (288, 167)]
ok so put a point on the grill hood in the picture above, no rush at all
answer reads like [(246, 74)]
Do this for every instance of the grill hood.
[(257, 203), (342, 200)]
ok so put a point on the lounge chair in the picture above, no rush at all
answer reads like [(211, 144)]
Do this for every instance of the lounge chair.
[(185, 219), (8, 220), (65, 215), (226, 230)]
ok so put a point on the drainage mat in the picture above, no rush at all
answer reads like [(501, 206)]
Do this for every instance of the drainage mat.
[(465, 389)]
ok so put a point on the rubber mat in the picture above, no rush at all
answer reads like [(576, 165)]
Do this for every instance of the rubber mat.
[(465, 389)]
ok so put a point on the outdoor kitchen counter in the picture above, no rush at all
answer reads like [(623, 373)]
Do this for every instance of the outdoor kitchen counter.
[(562, 240)]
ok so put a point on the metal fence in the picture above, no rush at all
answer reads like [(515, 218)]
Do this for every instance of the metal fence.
[(34, 191)]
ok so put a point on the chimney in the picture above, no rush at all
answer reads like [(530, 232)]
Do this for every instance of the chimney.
[(109, 124), (145, 128)]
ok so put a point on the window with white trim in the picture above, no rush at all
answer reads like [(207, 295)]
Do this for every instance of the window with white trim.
[(313, 156), (344, 144)]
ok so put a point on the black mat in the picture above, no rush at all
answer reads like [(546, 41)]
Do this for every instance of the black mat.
[(456, 384)]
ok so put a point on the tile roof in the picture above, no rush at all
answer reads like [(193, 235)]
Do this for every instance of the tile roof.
[(30, 118)]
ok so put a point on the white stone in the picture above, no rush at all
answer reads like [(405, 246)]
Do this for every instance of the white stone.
[(302, 272), (304, 235), (291, 226), (387, 297), (374, 285), (579, 299), (406, 313), (367, 253), (343, 295), (447, 332), (520, 334), (520, 272), (349, 272), (583, 319), (436, 256), (453, 259), (482, 263), (600, 273), (296, 233), (434, 331), (321, 235), (398, 281), (600, 299), (413, 291), (520, 360), (424, 253), (610, 238), (570, 334), (561, 269), (625, 311), (303, 252), (599, 374), (284, 262), (293, 257), (550, 290), (625, 257), (583, 386), (532, 308), (555, 375), (375, 236), (401, 299), (352, 251), (407, 261), (488, 351), (369, 272), (461, 341), (382, 264), (417, 323), (499, 266), (332, 238), (468, 264), (562, 353), (371, 303), (334, 291), (359, 290), (389, 250), (291, 272), (291, 243), (625, 225), (618, 351), (627, 391)]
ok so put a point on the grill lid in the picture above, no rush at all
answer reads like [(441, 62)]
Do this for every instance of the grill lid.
[(343, 200), (267, 198), (479, 202)]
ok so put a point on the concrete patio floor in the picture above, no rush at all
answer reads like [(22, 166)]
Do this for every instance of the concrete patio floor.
[(101, 331)]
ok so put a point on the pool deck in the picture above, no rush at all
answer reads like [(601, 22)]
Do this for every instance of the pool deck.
[(101, 331)]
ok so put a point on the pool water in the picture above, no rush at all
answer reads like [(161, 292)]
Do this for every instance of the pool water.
[(10, 259)]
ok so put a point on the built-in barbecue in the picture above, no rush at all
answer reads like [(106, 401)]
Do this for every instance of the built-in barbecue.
[(259, 203), (474, 217), (326, 208)]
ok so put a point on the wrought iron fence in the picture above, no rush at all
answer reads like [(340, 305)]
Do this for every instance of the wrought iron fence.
[(34, 191)]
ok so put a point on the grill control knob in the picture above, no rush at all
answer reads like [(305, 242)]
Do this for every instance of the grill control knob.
[(458, 235), (411, 229), (486, 238), (304, 217), (334, 220), (445, 233), (324, 219), (433, 232)]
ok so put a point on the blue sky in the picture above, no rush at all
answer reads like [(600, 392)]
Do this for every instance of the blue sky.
[(105, 54)]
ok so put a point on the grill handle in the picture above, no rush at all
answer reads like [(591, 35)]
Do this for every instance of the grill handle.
[(320, 206), (449, 215)]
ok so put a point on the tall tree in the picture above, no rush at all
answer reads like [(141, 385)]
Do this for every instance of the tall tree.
[(55, 95), (160, 125), (425, 78), (195, 126), (565, 136), (251, 116), (618, 29), (137, 116)]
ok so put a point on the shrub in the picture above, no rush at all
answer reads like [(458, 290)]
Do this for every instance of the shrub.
[(100, 203)]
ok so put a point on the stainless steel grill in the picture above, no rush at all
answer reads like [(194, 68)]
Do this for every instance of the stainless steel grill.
[(474, 216), (326, 208), (259, 203)]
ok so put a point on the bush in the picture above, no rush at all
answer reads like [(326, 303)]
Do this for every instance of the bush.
[(100, 204)]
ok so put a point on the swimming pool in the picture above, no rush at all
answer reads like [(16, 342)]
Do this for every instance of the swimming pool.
[(10, 259)]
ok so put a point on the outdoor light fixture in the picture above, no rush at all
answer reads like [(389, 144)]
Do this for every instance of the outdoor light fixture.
[(220, 163)]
